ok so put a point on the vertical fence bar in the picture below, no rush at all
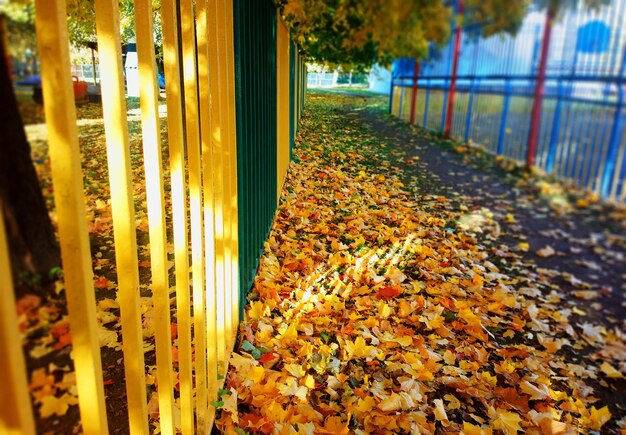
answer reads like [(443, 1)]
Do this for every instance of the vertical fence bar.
[(229, 313), (69, 199), (445, 90), (206, 319), (169, 19), (192, 129), (292, 84), (505, 114), (282, 101), (611, 166), (227, 297), (241, 86), (470, 107), (219, 136), (416, 74), (16, 413), (556, 129), (153, 163), (539, 89), (455, 65), (232, 147), (120, 179), (426, 103), (391, 90)]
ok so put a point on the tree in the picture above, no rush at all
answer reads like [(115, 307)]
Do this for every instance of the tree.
[(31, 236), (30, 232), (359, 33)]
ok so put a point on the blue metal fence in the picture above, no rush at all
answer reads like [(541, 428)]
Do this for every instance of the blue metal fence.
[(582, 134)]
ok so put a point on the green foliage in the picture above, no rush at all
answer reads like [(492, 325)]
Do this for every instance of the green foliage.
[(81, 22)]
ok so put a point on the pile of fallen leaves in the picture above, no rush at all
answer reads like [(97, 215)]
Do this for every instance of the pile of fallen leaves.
[(373, 312)]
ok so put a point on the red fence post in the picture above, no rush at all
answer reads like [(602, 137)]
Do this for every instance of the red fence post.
[(535, 119), (455, 65), (416, 74)]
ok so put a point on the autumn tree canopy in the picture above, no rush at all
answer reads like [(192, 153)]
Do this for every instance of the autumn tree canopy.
[(359, 33), (81, 23)]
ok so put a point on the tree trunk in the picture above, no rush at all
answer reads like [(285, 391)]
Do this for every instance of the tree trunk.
[(32, 242)]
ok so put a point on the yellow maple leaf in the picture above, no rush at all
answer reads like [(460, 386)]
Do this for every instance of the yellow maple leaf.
[(52, 405), (472, 429), (309, 382), (536, 392), (257, 310), (396, 402), (290, 333), (359, 348), (230, 404), (291, 388), (471, 318), (295, 370), (507, 422), (440, 412), (610, 371), (276, 413), (449, 357), (366, 404), (597, 417)]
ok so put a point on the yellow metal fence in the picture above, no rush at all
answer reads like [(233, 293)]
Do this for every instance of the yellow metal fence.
[(202, 149)]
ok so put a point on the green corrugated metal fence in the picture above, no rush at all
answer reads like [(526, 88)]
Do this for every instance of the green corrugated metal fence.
[(255, 82), (256, 88)]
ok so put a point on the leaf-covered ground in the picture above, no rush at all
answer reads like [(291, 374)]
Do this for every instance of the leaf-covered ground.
[(42, 311), (402, 290)]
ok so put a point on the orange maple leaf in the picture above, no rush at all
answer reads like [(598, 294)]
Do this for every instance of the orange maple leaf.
[(101, 282), (389, 292)]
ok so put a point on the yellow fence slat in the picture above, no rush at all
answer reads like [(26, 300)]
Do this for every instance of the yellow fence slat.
[(208, 168), (16, 414), (294, 87), (217, 137), (227, 169), (70, 205), (192, 124), (153, 163), (223, 101), (232, 146), (282, 102), (169, 18)]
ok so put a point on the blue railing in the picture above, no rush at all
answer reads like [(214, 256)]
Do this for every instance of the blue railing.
[(581, 135)]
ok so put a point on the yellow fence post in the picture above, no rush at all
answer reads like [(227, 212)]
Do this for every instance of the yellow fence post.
[(208, 169), (169, 18), (228, 132), (153, 163), (219, 92), (232, 147), (213, 209), (282, 102), (16, 413), (67, 179), (192, 124)]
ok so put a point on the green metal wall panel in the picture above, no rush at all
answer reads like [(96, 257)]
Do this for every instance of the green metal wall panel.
[(255, 84)]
